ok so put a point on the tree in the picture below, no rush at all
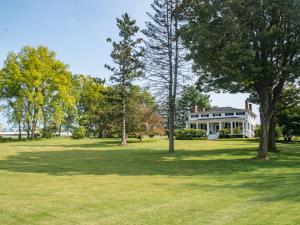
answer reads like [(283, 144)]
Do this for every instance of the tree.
[(288, 114), (11, 91), (143, 118), (245, 46), (36, 88), (289, 119), (90, 103), (289, 99), (189, 98), (165, 65), (126, 56)]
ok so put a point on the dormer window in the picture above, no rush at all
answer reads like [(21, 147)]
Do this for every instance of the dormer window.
[(240, 113), (217, 114), (205, 116), (229, 114)]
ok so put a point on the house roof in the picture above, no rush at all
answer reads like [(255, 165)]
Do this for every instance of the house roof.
[(225, 109)]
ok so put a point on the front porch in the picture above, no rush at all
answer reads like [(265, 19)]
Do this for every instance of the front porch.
[(212, 127)]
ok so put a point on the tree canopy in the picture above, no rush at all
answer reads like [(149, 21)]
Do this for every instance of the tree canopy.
[(244, 46)]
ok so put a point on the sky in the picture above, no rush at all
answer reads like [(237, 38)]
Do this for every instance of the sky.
[(77, 30)]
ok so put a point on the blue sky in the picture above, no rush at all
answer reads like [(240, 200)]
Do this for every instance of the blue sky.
[(77, 31)]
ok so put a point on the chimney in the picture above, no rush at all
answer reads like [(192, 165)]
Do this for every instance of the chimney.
[(194, 109), (200, 109), (246, 105), (250, 107)]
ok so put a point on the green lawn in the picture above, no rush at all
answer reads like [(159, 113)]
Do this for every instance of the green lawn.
[(64, 181)]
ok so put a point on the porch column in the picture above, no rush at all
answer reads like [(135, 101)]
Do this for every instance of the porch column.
[(231, 127), (207, 128), (244, 128), (197, 126), (220, 125)]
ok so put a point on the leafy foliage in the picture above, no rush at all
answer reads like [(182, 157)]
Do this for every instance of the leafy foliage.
[(189, 134), (37, 88), (224, 133), (244, 46), (79, 133)]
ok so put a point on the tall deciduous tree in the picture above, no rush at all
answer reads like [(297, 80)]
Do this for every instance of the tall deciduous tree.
[(11, 91), (245, 46), (126, 56), (289, 99), (36, 87), (91, 104), (164, 58)]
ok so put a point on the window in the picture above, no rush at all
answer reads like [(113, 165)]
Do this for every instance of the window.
[(229, 114), (227, 125), (194, 116), (205, 116), (217, 114), (203, 126), (193, 126), (240, 113)]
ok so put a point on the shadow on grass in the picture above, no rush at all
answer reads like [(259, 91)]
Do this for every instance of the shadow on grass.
[(137, 162), (101, 144), (272, 181)]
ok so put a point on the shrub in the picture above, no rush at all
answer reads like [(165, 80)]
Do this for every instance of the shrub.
[(189, 134), (237, 130), (224, 133), (278, 132), (79, 133), (47, 134)]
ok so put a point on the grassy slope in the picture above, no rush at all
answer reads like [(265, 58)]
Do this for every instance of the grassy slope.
[(95, 181)]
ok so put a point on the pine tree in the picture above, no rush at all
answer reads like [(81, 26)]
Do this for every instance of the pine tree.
[(126, 56), (164, 58)]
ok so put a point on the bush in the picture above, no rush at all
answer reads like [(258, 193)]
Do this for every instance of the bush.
[(278, 132), (79, 133), (257, 131), (237, 131), (224, 133), (189, 134), (47, 134)]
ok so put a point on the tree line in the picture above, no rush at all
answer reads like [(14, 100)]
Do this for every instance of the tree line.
[(41, 96), (240, 46)]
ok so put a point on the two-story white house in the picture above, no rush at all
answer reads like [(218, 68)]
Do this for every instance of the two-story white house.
[(223, 117)]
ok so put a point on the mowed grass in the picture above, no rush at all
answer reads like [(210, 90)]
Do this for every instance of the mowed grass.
[(94, 181)]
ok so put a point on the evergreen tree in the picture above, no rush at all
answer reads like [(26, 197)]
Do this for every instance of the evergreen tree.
[(126, 56), (189, 98)]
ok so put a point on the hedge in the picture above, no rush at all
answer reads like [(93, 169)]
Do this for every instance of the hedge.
[(189, 134)]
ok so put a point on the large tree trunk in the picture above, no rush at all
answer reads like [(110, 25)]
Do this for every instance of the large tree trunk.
[(266, 114), (272, 135), (264, 137)]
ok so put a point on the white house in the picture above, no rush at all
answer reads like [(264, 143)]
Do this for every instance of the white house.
[(223, 117)]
